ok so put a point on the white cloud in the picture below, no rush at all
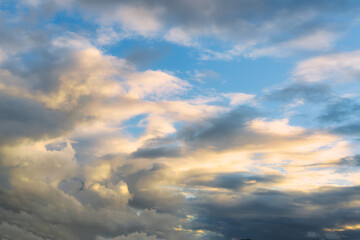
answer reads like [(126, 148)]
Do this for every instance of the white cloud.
[(278, 127), (239, 98), (179, 36), (317, 41), (156, 84), (138, 19), (340, 67), (72, 41), (107, 35)]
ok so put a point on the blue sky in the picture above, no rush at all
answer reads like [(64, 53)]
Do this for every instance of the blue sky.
[(178, 119)]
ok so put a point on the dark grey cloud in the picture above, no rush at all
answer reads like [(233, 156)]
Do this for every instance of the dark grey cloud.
[(232, 181), (343, 165), (74, 210), (236, 19), (41, 70), (133, 236), (146, 196), (56, 146), (315, 93), (277, 215), (348, 129), (71, 186), (4, 177), (340, 111), (220, 132), (17, 36), (23, 118), (228, 130), (145, 57), (49, 213), (156, 152), (266, 22), (352, 161)]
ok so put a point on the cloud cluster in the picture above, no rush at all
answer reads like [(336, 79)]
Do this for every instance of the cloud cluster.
[(251, 28), (92, 146)]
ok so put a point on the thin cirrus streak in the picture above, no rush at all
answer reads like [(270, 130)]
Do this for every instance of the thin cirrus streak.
[(132, 120)]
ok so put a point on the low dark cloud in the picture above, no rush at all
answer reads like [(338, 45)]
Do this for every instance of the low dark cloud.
[(49, 213), (278, 215)]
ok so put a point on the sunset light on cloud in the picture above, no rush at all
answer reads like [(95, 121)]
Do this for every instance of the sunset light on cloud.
[(178, 119)]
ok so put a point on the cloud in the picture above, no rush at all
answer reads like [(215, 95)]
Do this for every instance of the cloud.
[(255, 213), (300, 91), (244, 129), (23, 118), (348, 129), (278, 127), (156, 152), (340, 67), (12, 232), (352, 160), (179, 36), (219, 132), (234, 181), (315, 41), (341, 110), (259, 25), (154, 84), (239, 98), (143, 57), (16, 37), (148, 192), (95, 146), (133, 236), (138, 19)]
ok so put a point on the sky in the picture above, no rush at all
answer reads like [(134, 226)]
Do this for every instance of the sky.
[(179, 119)]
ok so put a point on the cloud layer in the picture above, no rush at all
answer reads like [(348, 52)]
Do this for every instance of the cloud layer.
[(103, 140)]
